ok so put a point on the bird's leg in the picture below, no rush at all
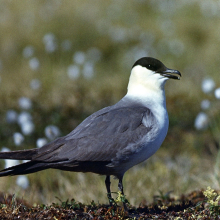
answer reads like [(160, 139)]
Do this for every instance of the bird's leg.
[(107, 184), (124, 200), (120, 186)]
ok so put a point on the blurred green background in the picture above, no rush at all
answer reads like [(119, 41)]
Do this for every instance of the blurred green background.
[(71, 58)]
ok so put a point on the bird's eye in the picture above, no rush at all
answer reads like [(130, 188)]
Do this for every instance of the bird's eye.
[(151, 67)]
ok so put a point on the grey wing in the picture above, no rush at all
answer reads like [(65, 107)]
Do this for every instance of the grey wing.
[(101, 137)]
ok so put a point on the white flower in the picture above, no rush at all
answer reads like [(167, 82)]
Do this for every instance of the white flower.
[(48, 37), (88, 70), (73, 72), (34, 63), (24, 117), (23, 182), (25, 122), (11, 116), (217, 93), (205, 104), (41, 142), (208, 85), (5, 149), (28, 51), (201, 121), (18, 138), (51, 132), (50, 47), (10, 163), (25, 103), (35, 84), (50, 42), (79, 57), (27, 127)]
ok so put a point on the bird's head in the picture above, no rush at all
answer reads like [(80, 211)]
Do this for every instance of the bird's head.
[(150, 73)]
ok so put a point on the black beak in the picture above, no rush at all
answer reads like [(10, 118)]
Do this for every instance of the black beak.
[(172, 74)]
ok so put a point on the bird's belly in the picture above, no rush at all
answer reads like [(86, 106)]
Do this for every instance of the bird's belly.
[(147, 149)]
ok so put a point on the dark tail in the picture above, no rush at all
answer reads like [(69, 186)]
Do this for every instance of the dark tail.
[(29, 167), (25, 168), (19, 155)]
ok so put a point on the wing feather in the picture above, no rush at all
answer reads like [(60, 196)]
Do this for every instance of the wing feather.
[(100, 137)]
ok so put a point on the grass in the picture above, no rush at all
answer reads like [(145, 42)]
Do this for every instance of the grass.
[(185, 162), (190, 206)]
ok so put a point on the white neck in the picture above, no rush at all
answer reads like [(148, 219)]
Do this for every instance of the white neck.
[(147, 86)]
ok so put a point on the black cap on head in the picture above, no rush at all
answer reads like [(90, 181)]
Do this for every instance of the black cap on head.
[(151, 64), (157, 66)]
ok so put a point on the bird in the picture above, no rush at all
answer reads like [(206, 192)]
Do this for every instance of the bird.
[(114, 139)]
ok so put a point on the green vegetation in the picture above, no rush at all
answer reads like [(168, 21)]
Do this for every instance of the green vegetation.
[(189, 206), (110, 35), (213, 200)]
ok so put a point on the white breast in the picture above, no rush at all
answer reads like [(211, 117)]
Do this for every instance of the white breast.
[(155, 138), (152, 141), (147, 88)]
